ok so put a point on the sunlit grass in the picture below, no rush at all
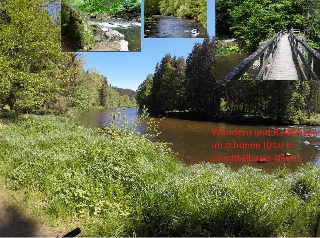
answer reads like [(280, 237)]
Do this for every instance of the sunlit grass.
[(121, 185), (74, 2)]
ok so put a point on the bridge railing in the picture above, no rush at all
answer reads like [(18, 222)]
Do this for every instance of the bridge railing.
[(305, 56), (265, 54), (295, 31)]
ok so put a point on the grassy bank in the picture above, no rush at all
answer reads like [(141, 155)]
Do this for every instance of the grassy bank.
[(123, 186), (228, 48)]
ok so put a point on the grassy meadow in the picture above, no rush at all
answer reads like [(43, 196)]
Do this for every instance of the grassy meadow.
[(116, 184)]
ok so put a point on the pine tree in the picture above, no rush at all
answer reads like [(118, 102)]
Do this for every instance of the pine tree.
[(202, 87)]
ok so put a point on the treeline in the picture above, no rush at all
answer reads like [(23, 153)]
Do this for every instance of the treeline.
[(92, 91), (195, 9), (115, 7), (36, 75), (294, 102), (255, 21), (179, 85)]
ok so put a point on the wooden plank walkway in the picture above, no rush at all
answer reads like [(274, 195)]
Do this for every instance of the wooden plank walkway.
[(283, 67)]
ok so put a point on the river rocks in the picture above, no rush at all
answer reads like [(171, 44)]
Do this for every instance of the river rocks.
[(75, 27), (110, 40), (114, 35), (98, 33)]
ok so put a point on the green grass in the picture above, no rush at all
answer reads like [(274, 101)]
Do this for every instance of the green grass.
[(227, 48), (125, 185)]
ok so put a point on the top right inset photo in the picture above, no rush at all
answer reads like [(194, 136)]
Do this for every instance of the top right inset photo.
[(175, 18), (268, 40)]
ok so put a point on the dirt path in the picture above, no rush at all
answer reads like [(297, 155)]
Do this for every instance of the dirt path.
[(15, 221)]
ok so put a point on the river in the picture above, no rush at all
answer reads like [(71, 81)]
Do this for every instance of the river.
[(226, 63), (131, 29), (173, 27), (192, 140)]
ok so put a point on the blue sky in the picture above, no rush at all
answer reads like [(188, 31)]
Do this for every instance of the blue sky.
[(130, 69)]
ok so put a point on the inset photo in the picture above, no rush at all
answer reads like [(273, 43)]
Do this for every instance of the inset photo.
[(175, 18), (100, 25), (263, 40)]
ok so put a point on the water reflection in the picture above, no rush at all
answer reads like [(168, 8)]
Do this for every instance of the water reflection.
[(192, 140), (226, 63), (173, 27)]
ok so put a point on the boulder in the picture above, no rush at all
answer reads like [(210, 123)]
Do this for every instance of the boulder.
[(113, 35), (98, 33), (75, 26)]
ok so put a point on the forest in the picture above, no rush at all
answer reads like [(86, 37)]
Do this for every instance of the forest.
[(195, 9), (190, 86), (36, 75), (118, 8), (254, 21)]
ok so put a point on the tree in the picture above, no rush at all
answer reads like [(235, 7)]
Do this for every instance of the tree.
[(202, 87), (311, 19), (170, 84), (168, 87), (30, 55), (144, 91), (151, 7), (196, 9)]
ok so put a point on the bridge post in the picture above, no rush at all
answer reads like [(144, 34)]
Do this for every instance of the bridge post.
[(262, 64), (310, 65)]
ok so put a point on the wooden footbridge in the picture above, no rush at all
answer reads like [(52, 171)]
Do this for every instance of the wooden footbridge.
[(285, 57)]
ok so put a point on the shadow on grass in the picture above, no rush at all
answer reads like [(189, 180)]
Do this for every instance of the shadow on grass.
[(15, 224)]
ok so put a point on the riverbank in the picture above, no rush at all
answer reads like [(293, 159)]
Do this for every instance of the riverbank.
[(121, 185), (228, 47), (149, 23), (237, 119)]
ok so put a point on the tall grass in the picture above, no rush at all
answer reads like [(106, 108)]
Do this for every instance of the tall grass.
[(118, 184)]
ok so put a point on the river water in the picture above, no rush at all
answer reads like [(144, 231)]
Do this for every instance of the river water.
[(226, 63), (131, 29), (173, 27), (193, 140)]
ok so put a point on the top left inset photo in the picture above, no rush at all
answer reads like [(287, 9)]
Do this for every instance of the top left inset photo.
[(100, 25)]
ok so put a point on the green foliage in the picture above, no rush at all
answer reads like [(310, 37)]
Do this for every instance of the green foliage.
[(234, 49), (30, 59), (35, 75), (256, 21), (283, 101), (106, 6), (196, 9), (119, 184), (131, 5), (101, 6), (151, 7), (168, 94), (144, 91), (222, 52), (202, 90), (180, 85), (311, 20), (168, 86)]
